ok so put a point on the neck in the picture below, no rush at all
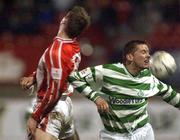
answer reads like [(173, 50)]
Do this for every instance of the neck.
[(134, 70), (63, 35)]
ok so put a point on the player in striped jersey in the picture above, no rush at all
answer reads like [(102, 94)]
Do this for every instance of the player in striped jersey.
[(126, 88), (55, 65)]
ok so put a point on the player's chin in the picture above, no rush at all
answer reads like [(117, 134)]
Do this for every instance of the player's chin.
[(146, 66)]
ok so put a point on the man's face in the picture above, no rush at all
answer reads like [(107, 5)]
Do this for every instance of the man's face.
[(141, 57), (63, 21)]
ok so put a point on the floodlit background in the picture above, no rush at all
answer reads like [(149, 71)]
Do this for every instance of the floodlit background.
[(27, 28)]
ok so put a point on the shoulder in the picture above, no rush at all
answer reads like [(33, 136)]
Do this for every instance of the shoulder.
[(111, 65), (70, 47), (67, 44), (116, 67)]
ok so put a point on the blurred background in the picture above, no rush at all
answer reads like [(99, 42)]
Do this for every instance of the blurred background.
[(27, 28)]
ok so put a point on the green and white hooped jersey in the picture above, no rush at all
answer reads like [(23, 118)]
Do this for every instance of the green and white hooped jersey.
[(126, 95)]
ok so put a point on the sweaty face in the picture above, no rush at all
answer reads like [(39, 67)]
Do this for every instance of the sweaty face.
[(141, 57)]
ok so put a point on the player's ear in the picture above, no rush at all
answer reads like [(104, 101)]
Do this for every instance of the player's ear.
[(129, 57)]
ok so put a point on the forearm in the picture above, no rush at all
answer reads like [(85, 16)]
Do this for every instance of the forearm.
[(82, 86), (50, 98), (174, 99), (171, 97), (41, 108)]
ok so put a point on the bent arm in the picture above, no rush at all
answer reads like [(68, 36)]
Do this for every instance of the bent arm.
[(58, 64), (88, 81)]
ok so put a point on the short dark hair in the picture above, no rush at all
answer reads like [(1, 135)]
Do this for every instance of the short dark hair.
[(78, 20), (131, 47)]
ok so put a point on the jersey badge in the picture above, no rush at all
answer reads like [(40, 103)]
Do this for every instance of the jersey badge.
[(85, 72), (56, 73)]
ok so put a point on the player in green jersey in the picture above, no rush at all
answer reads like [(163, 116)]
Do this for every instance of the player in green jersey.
[(121, 91)]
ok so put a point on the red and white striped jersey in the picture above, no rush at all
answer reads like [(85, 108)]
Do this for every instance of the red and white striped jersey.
[(55, 65)]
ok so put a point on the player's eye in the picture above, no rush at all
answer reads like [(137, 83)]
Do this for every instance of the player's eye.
[(143, 52)]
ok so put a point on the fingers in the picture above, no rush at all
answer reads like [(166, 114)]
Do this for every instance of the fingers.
[(31, 126), (102, 105), (30, 136), (23, 83), (26, 82), (29, 132)]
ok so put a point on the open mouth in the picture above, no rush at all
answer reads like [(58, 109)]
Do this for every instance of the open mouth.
[(146, 61)]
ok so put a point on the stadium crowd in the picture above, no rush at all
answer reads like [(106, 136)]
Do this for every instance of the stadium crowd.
[(30, 25)]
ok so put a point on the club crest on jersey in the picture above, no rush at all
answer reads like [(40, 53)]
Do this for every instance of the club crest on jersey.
[(140, 93), (56, 73)]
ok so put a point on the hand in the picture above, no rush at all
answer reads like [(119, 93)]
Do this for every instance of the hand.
[(31, 127), (102, 104), (26, 82)]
